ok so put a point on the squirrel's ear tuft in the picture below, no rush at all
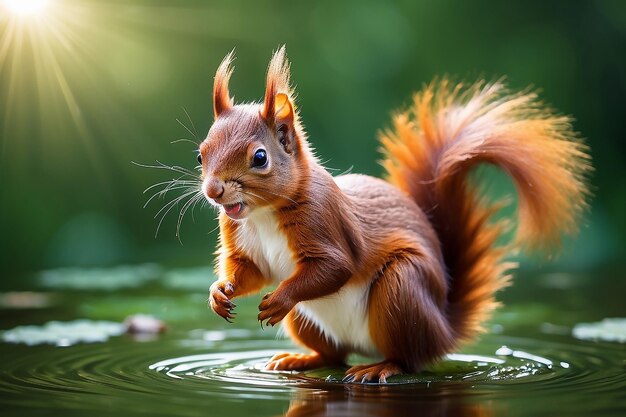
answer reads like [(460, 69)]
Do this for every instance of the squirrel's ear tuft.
[(221, 97), (278, 102)]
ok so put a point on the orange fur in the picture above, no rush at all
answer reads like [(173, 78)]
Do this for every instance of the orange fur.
[(221, 97), (306, 333), (408, 268), (451, 129), (243, 275), (277, 82)]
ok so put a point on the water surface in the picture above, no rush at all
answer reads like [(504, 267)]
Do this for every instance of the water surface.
[(528, 364)]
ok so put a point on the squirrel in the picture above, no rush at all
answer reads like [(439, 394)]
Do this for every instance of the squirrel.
[(404, 269)]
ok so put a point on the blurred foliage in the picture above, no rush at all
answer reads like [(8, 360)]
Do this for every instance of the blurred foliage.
[(105, 86)]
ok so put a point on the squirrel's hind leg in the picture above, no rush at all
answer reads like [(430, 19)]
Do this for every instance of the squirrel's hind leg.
[(407, 319), (304, 332)]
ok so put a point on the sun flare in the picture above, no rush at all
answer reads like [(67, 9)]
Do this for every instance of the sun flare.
[(25, 7)]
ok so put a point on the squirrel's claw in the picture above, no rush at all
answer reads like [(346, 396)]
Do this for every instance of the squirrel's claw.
[(219, 301), (273, 308), (378, 372)]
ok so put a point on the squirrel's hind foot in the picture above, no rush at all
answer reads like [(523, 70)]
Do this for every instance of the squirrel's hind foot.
[(295, 362), (374, 372)]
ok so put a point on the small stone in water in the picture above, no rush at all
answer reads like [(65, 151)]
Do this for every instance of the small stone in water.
[(24, 299), (144, 324)]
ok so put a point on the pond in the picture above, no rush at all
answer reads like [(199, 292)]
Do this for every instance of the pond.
[(64, 352)]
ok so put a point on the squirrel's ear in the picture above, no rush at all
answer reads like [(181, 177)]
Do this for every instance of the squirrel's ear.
[(283, 121), (283, 109), (278, 108), (277, 90), (221, 97)]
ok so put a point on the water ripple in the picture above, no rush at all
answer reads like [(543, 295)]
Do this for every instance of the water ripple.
[(564, 367), (131, 374)]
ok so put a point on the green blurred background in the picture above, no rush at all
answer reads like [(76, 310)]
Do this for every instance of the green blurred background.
[(91, 86)]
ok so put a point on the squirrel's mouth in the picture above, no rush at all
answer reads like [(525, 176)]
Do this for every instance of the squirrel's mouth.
[(234, 211)]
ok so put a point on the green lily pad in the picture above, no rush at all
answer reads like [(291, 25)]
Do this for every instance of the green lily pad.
[(64, 333), (107, 279), (608, 330), (170, 309), (454, 367), (189, 279)]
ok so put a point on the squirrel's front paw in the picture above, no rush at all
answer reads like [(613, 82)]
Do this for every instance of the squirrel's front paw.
[(274, 308), (219, 300)]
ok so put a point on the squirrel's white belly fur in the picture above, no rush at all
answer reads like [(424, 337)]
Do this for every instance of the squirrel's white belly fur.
[(261, 239), (342, 316)]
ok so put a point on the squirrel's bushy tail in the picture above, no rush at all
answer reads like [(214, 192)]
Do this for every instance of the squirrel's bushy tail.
[(449, 130)]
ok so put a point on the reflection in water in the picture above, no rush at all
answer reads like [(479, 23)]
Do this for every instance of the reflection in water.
[(385, 401)]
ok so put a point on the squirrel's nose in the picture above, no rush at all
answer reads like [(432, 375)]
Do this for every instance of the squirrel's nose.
[(214, 188)]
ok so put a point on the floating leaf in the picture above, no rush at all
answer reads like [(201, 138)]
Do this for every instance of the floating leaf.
[(189, 279), (455, 367), (64, 333), (109, 279), (608, 330), (168, 308)]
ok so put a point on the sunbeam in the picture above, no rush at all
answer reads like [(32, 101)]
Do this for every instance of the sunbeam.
[(25, 7), (39, 37), (60, 62)]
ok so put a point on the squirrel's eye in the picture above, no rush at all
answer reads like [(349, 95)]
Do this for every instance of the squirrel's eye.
[(199, 158), (260, 159)]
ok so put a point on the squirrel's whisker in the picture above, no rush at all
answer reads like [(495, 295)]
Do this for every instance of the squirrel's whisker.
[(163, 192), (186, 128), (169, 207), (248, 184), (250, 193), (174, 168), (184, 210), (174, 180), (192, 125)]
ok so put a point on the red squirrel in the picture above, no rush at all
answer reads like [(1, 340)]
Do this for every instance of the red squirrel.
[(403, 269)]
